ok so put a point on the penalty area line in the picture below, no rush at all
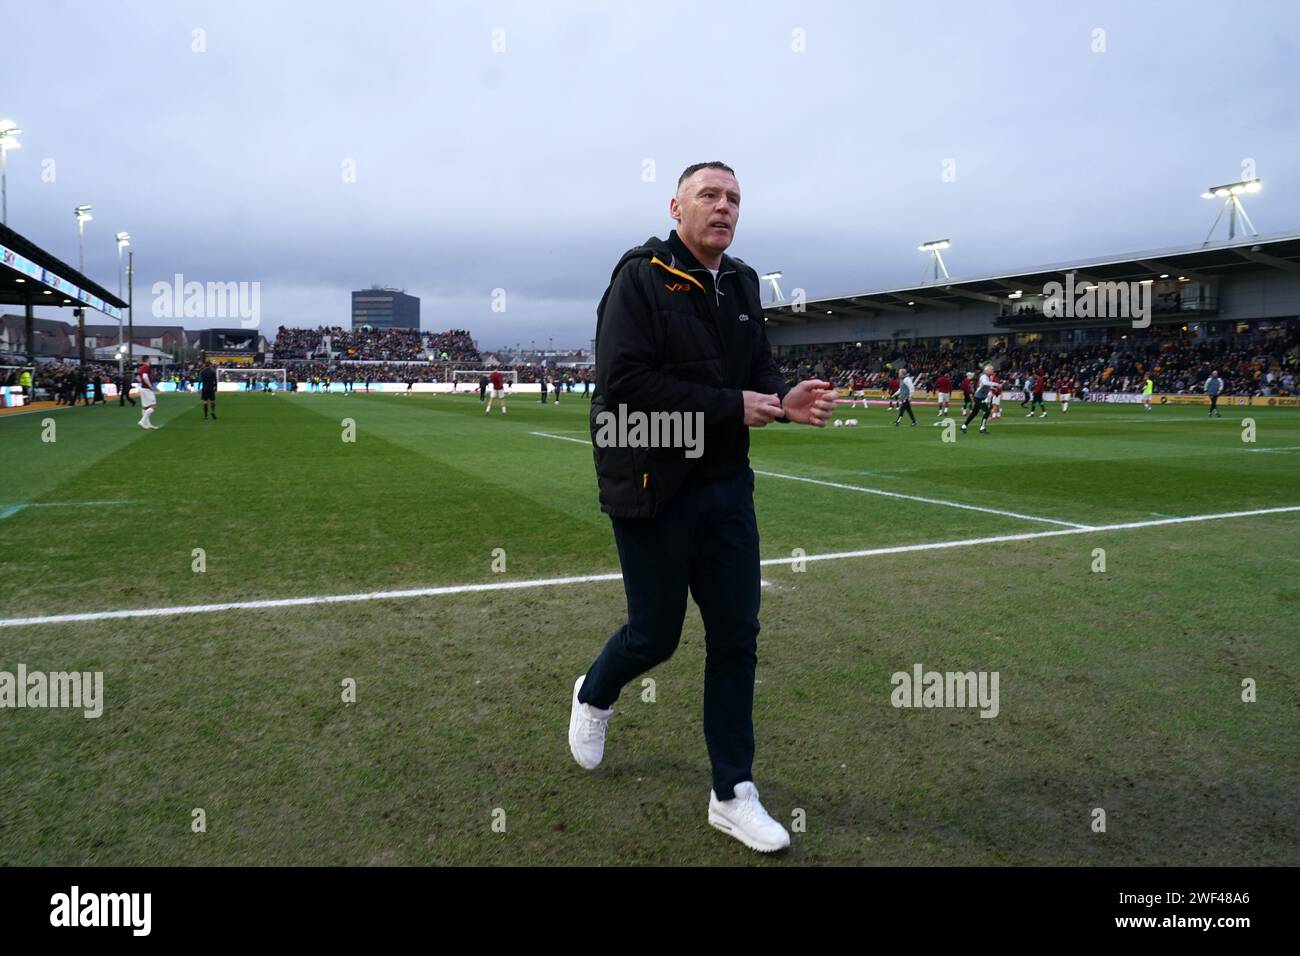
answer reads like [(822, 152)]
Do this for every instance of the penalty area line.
[(576, 441), (928, 501), (873, 491), (611, 576)]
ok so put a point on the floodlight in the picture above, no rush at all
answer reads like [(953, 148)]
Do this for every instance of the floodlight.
[(1229, 192)]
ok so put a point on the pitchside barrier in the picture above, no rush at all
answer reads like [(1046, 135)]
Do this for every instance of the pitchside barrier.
[(523, 388), (1107, 398), (1166, 399), (11, 396), (305, 388)]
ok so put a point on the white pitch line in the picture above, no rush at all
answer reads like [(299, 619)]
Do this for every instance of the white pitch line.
[(928, 501), (306, 601), (8, 511), (612, 576), (1282, 448), (876, 491), (74, 504), (578, 441), (1026, 536), (33, 411)]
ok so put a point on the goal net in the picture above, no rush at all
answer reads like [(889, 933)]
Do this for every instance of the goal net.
[(251, 379), (471, 376)]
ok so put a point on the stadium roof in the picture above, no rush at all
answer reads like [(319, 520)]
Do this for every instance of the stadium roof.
[(1279, 251), (28, 271)]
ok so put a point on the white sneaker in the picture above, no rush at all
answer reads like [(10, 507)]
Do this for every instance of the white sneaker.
[(1044, 415), (744, 818), (587, 731), (142, 424)]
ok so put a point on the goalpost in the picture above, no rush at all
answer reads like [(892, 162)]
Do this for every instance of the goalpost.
[(245, 379), (472, 376)]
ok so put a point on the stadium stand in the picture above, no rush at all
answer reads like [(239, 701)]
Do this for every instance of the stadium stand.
[(1259, 364)]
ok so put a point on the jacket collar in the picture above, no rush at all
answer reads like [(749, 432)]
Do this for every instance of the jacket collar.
[(683, 259)]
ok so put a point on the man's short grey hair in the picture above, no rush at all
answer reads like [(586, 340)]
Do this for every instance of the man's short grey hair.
[(696, 167)]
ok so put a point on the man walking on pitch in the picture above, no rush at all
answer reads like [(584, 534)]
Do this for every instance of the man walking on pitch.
[(124, 389), (498, 393), (943, 391), (208, 390), (904, 396), (1148, 386), (680, 332), (1034, 392), (147, 400), (1214, 388), (983, 400)]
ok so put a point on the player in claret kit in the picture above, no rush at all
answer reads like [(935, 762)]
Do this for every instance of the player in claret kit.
[(967, 391), (942, 391), (1064, 392), (858, 390), (498, 393), (148, 402), (891, 389)]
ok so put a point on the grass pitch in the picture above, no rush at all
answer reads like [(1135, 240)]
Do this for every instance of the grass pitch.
[(1119, 690)]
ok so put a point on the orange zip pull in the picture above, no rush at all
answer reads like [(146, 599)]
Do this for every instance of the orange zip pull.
[(645, 480)]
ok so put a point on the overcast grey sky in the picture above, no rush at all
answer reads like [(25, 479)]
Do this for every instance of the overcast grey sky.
[(524, 168)]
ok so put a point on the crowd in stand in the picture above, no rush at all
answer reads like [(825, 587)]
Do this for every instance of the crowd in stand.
[(1260, 365), (454, 345), (297, 343), (376, 344), (439, 371), (371, 345), (431, 355)]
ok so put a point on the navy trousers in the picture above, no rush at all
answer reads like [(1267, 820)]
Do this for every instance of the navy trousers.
[(705, 542)]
